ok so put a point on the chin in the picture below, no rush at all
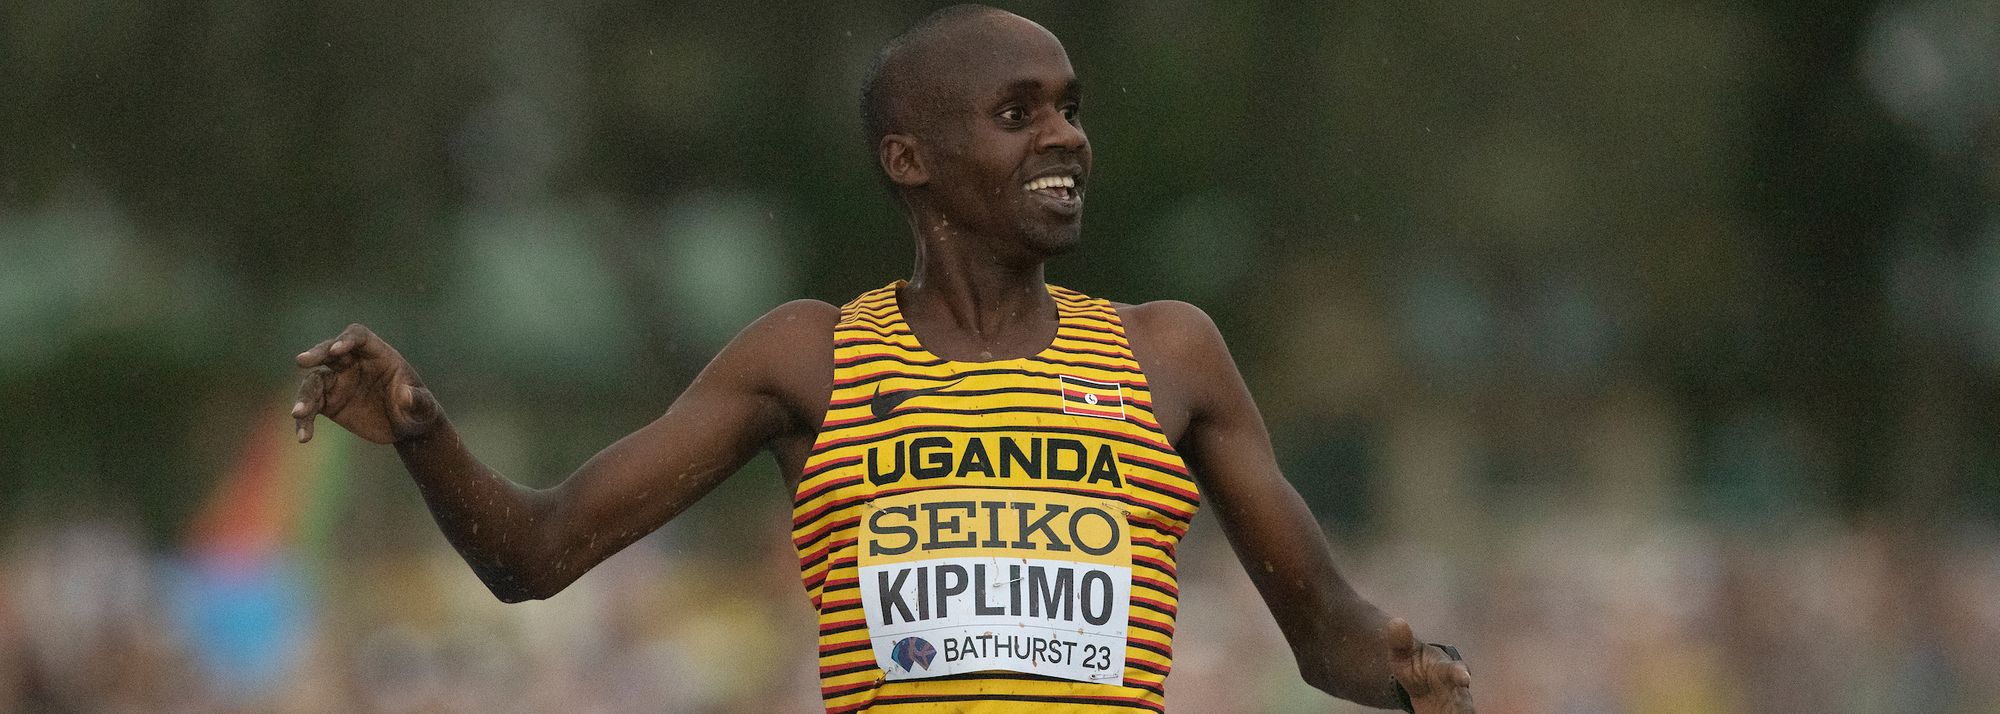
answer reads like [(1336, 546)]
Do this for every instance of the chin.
[(1051, 242)]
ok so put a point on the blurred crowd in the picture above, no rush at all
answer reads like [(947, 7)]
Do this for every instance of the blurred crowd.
[(1557, 616)]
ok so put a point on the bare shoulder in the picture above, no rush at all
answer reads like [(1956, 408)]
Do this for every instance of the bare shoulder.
[(797, 319), (1183, 355), (785, 356), (793, 337), (1171, 325), (785, 325), (1176, 340)]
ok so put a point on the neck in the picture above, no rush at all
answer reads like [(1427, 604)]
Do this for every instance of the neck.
[(991, 301)]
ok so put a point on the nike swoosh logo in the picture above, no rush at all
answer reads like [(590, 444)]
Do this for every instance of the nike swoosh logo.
[(885, 402)]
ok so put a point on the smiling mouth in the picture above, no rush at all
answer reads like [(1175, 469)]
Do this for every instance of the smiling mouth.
[(1059, 188)]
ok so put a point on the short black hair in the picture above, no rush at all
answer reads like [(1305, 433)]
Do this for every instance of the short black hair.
[(886, 104)]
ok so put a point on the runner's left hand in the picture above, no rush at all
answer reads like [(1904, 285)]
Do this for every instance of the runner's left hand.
[(1436, 683)]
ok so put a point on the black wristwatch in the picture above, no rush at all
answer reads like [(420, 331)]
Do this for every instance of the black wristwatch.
[(1403, 695)]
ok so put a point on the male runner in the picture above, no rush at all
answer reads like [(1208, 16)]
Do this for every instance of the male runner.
[(991, 474)]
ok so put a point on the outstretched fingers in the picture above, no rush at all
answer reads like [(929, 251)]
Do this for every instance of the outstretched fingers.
[(356, 341), (312, 399), (313, 357), (320, 363)]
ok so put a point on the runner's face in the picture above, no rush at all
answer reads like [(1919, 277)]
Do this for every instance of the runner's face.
[(1013, 161)]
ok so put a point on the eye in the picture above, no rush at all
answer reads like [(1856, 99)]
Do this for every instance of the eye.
[(1070, 113), (1013, 116)]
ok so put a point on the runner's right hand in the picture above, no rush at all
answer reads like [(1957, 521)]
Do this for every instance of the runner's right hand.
[(361, 383)]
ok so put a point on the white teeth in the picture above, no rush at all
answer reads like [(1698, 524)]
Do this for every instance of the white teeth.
[(1050, 182)]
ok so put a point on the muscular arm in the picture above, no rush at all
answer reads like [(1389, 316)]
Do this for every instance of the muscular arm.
[(1338, 639), (527, 543)]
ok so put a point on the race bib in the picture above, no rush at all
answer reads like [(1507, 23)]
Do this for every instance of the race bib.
[(963, 580)]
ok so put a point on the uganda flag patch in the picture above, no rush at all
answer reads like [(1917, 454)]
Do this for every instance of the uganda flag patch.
[(1098, 399)]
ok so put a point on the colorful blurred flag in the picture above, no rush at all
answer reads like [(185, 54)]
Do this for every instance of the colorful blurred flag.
[(253, 551)]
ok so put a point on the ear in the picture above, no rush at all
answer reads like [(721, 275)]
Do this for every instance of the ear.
[(898, 154)]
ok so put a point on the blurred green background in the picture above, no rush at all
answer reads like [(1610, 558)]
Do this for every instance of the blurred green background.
[(1648, 351)]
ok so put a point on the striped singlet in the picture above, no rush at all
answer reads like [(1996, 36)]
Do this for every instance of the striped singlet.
[(991, 536)]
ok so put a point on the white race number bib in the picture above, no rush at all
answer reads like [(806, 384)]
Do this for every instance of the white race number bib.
[(964, 580)]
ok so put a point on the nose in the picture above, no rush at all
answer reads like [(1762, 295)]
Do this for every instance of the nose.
[(1057, 133)]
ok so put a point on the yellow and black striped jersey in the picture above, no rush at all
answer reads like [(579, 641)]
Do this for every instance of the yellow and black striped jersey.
[(991, 536)]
